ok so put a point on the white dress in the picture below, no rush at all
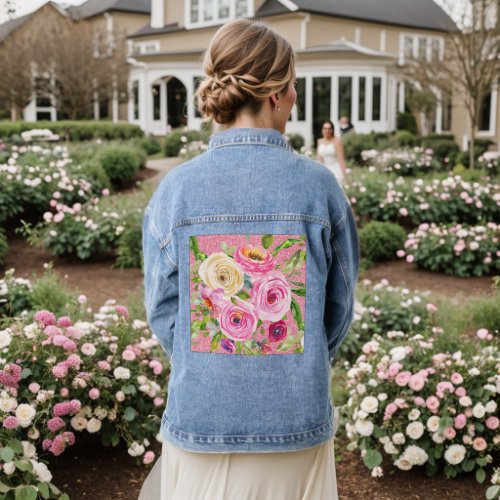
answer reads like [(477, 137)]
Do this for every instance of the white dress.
[(329, 154)]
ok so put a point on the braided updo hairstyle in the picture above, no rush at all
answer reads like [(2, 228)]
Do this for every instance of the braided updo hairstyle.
[(245, 63)]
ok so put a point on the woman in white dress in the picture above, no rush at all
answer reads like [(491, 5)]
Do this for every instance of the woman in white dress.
[(331, 152)]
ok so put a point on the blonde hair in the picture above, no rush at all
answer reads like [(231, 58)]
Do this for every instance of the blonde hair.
[(245, 63)]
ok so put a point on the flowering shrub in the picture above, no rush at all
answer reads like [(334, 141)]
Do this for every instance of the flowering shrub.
[(4, 246), (406, 162), (417, 201), (191, 149), (459, 250), (490, 162), (421, 406), (100, 375), (14, 295)]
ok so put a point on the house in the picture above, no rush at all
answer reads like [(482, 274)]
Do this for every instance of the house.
[(111, 17), (348, 52)]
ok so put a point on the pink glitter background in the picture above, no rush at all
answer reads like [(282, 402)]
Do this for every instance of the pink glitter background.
[(212, 244)]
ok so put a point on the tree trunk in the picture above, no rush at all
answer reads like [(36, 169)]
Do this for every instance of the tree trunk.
[(13, 113), (471, 149)]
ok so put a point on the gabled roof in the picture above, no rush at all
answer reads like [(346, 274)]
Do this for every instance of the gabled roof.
[(424, 14), (95, 7), (346, 46)]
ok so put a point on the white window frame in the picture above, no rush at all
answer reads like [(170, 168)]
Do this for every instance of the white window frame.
[(415, 37), (493, 114), (141, 48), (216, 19)]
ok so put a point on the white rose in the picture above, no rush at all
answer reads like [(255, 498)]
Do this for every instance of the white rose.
[(403, 463), (9, 468), (474, 372), (399, 438), (42, 472), (416, 455), (433, 423), (120, 396), (360, 414), (414, 414), (29, 450), (79, 423), (7, 404), (384, 439), (390, 449), (364, 427), (491, 406), (397, 353), (25, 414), (455, 454), (220, 271), (438, 438), (415, 430), (94, 425), (136, 449), (5, 338), (34, 434), (465, 401), (31, 331), (479, 410), (121, 372), (382, 396), (467, 440), (361, 388), (369, 404), (377, 472)]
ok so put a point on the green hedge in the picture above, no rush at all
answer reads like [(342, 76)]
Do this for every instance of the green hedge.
[(380, 241), (120, 163), (74, 130), (406, 121)]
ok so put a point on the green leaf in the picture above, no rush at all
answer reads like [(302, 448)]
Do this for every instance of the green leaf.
[(243, 295), (372, 459), (299, 291), (297, 314), (286, 244), (193, 245), (129, 389), (16, 445), (267, 240), (64, 497), (468, 465), (129, 414), (492, 492), (480, 476), (7, 454), (4, 488), (26, 493), (214, 346), (43, 488), (24, 465), (115, 439), (26, 373)]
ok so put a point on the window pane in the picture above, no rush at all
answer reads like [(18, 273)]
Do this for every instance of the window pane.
[(241, 8), (135, 94), (322, 91), (377, 99), (362, 98), (196, 83), (422, 48), (301, 99), (223, 9), (485, 113), (345, 96), (195, 10), (408, 47), (208, 10), (156, 102), (435, 49)]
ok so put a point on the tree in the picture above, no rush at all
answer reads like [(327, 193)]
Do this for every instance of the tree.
[(469, 64)]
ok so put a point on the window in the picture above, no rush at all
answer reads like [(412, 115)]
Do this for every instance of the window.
[(435, 50), (377, 98), (216, 11), (135, 99), (301, 99), (446, 111), (484, 121), (322, 92), (156, 101), (345, 96), (420, 47), (361, 98), (408, 47)]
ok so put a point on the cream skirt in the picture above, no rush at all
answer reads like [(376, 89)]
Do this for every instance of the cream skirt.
[(299, 475)]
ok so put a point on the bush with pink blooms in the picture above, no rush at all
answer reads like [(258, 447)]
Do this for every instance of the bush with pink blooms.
[(60, 378), (422, 406), (459, 250)]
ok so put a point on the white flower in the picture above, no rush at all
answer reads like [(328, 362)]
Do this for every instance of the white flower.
[(403, 463), (361, 388), (369, 404), (465, 401), (414, 414), (29, 450), (479, 410), (474, 372), (377, 472), (94, 425), (490, 407), (415, 430), (5, 338), (121, 373), (79, 423), (399, 438), (438, 438), (382, 396), (9, 468), (467, 440), (433, 423), (390, 449), (120, 396), (136, 449), (34, 433), (455, 454), (41, 471), (25, 414), (397, 353), (7, 404), (416, 455), (384, 439), (364, 427)]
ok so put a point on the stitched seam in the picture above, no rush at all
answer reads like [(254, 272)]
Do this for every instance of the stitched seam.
[(165, 251), (278, 145)]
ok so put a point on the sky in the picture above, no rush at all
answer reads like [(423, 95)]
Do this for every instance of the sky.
[(26, 6)]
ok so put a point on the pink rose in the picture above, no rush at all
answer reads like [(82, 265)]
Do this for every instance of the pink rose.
[(419, 401), (46, 318), (34, 387), (394, 369), (158, 401), (122, 311), (238, 320), (64, 321), (479, 444), (213, 299), (416, 383), (456, 378), (460, 421), (64, 392), (432, 403), (402, 378), (460, 392), (449, 433), (148, 458), (128, 355), (94, 393), (104, 365), (272, 296), (492, 423), (431, 308), (277, 331), (59, 370), (254, 260), (482, 333)]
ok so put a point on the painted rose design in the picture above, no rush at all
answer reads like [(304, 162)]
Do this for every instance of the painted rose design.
[(248, 293)]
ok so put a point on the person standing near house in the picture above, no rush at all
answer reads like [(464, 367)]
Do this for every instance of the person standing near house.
[(345, 126), (249, 285), (330, 152)]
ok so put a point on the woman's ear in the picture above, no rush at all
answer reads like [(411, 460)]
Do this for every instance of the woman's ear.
[(275, 100)]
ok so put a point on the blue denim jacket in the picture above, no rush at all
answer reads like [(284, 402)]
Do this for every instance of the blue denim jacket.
[(250, 261)]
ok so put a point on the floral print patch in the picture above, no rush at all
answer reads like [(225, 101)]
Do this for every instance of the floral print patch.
[(247, 293)]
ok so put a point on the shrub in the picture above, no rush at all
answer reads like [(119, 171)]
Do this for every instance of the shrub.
[(120, 163), (94, 172), (151, 145), (129, 249), (380, 241), (296, 141), (48, 292), (176, 139), (458, 250), (405, 138), (15, 295), (406, 121), (4, 246), (486, 312)]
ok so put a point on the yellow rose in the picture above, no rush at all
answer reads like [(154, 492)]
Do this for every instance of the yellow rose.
[(220, 271)]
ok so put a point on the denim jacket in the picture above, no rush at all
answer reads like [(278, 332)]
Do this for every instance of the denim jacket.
[(250, 261)]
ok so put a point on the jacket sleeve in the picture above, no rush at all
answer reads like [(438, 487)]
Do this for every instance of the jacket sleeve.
[(161, 283), (341, 282)]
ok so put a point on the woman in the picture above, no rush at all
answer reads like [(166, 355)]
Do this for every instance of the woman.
[(249, 280), (331, 152)]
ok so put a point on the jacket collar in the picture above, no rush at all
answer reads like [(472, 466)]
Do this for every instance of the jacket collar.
[(238, 136)]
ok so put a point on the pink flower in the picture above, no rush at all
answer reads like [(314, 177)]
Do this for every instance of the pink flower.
[(410, 259), (460, 421), (402, 378), (460, 392), (73, 332), (492, 423), (88, 349), (94, 393), (58, 340), (34, 387), (213, 299), (52, 330), (46, 444), (416, 383), (104, 365), (482, 333), (449, 433), (254, 260), (272, 296), (74, 361), (74, 406), (69, 346), (82, 299), (64, 321), (10, 422), (158, 401), (128, 355), (479, 444), (431, 308), (55, 423), (156, 366), (60, 370), (64, 392), (277, 331), (419, 401), (44, 317), (394, 369), (58, 445), (456, 378), (105, 192), (61, 409), (432, 403), (122, 311), (238, 320), (148, 458), (400, 253), (69, 437), (444, 386)]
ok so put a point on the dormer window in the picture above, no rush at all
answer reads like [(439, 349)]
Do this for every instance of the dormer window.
[(210, 12)]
